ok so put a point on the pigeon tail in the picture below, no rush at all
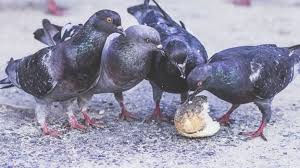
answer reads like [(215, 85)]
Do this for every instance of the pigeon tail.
[(294, 50), (11, 79), (295, 57), (49, 34), (146, 3), (182, 25), (6, 82), (49, 30), (168, 17)]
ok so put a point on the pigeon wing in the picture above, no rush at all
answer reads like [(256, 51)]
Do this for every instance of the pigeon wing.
[(34, 73)]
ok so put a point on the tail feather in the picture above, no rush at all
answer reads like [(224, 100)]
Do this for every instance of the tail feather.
[(39, 35), (146, 3), (295, 57), (167, 16), (6, 82), (48, 33), (7, 86), (182, 25), (163, 11), (295, 47), (11, 72), (295, 53)]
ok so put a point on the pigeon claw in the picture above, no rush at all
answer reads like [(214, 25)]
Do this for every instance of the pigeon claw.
[(50, 132), (91, 122), (224, 120), (127, 116), (255, 134), (158, 116), (74, 124), (258, 133)]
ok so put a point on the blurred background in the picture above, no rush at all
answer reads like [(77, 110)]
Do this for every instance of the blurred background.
[(219, 24)]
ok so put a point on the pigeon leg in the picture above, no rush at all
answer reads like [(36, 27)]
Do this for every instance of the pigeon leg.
[(225, 119), (265, 108), (53, 8), (70, 107), (74, 123), (50, 132), (40, 111), (89, 121), (124, 115), (157, 114), (258, 133), (83, 105)]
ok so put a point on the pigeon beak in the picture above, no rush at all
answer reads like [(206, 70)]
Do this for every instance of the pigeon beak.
[(120, 30), (160, 49), (192, 96)]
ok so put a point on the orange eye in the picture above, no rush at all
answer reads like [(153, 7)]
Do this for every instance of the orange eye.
[(109, 20)]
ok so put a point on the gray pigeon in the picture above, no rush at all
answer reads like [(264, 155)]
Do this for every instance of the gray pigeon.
[(62, 72), (185, 52), (125, 62), (247, 74)]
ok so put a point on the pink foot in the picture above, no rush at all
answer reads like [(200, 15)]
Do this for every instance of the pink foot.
[(255, 134), (74, 124), (50, 132), (258, 133), (90, 122), (158, 116), (54, 9), (125, 115), (224, 120), (242, 2)]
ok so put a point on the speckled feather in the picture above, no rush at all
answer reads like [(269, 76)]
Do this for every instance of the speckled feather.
[(126, 60), (166, 75), (67, 69), (244, 74)]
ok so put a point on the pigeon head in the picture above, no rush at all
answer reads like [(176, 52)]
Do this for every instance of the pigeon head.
[(199, 78), (145, 35), (178, 52), (106, 21)]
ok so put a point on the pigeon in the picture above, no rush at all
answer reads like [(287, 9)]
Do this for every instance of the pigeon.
[(125, 62), (63, 72), (247, 74), (246, 3), (183, 49)]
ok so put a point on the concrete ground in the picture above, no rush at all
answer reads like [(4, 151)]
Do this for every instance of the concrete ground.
[(219, 25)]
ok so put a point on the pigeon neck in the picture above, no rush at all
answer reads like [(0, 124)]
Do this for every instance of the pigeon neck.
[(211, 77), (222, 75), (89, 36)]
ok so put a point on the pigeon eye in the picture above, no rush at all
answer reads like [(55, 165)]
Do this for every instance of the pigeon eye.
[(148, 40), (109, 20)]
